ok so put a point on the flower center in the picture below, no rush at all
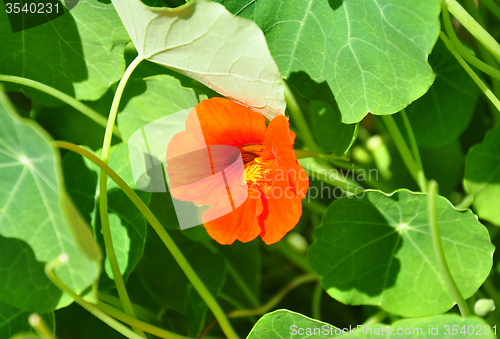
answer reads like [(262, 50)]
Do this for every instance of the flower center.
[(256, 160)]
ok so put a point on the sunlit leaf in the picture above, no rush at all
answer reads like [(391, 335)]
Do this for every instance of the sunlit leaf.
[(33, 229), (378, 250), (372, 54), (207, 43), (482, 177), (290, 325), (152, 98)]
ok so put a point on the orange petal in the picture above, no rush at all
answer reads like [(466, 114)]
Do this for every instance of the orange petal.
[(279, 141), (282, 209), (224, 122), (242, 224)]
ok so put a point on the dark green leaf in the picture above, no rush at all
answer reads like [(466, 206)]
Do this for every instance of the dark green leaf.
[(445, 111), (163, 278), (128, 226), (79, 53)]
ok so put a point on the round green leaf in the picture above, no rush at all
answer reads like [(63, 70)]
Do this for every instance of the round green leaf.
[(372, 53), (204, 41), (290, 325), (285, 324), (445, 111), (378, 250), (482, 177), (80, 53), (33, 223)]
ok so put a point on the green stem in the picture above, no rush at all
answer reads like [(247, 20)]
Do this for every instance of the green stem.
[(49, 271), (159, 332), (376, 318), (167, 240), (89, 112), (439, 250), (103, 194), (422, 181), (465, 203), (316, 301), (141, 312), (474, 27), (276, 299), (40, 327), (489, 94), (300, 121), (479, 64), (403, 149)]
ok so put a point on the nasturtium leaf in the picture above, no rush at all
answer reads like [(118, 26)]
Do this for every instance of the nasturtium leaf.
[(79, 53), (372, 53), (207, 43), (445, 111), (378, 250), (168, 285), (290, 325), (14, 320), (128, 226), (31, 179), (482, 177), (286, 324), (332, 135), (152, 98)]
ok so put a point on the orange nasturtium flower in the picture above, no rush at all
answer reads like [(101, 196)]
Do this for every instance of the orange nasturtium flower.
[(267, 200)]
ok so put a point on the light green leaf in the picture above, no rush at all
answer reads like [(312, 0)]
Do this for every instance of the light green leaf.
[(33, 229), (14, 320), (445, 111), (149, 99), (290, 325), (482, 177), (378, 250), (372, 53), (128, 226), (79, 53), (207, 43), (285, 324)]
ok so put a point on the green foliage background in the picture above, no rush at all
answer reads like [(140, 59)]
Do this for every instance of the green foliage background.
[(368, 85)]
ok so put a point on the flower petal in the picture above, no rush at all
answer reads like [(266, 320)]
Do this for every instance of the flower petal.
[(242, 224), (280, 140), (282, 208), (225, 122)]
